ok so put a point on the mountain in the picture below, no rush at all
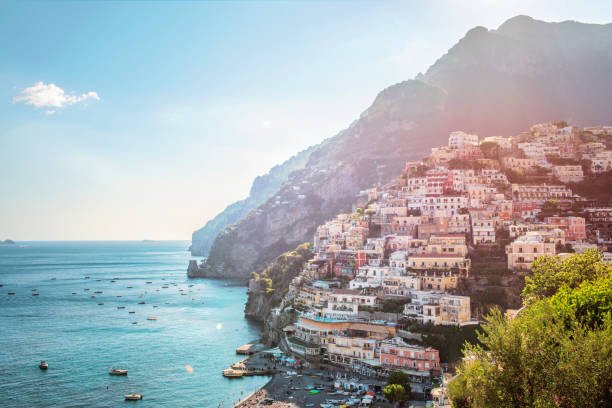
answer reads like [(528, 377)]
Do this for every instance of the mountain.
[(491, 82), (263, 187)]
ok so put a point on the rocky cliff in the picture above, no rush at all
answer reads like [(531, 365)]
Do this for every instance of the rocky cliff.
[(263, 187), (491, 82)]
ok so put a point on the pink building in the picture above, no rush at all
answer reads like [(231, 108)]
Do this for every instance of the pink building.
[(395, 354), (574, 227)]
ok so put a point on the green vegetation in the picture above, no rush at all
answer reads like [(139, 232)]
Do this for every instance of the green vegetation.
[(490, 150), (398, 387), (448, 340), (597, 186), (555, 352), (552, 273), (393, 305), (282, 270)]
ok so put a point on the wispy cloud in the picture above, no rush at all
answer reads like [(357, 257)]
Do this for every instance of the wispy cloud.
[(51, 97)]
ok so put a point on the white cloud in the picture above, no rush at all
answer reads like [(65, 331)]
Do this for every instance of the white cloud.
[(51, 97)]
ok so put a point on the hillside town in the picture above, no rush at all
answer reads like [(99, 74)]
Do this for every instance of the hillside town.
[(404, 255)]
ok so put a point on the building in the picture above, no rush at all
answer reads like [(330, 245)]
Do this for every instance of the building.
[(568, 174), (459, 140), (540, 192), (369, 276), (438, 308), (573, 227), (344, 303), (401, 285), (439, 262), (395, 354), (483, 227), (526, 249)]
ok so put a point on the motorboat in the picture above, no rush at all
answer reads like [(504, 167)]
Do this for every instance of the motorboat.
[(35, 294), (117, 371), (43, 365), (141, 303), (133, 397), (120, 307), (151, 318)]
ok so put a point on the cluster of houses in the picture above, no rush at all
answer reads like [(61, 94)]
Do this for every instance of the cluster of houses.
[(411, 243)]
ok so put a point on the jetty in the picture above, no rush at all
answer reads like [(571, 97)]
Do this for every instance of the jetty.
[(250, 349)]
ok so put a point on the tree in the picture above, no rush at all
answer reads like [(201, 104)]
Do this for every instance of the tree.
[(555, 352), (395, 393), (549, 274), (490, 150), (401, 378)]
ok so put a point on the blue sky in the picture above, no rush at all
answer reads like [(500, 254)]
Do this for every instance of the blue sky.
[(193, 100)]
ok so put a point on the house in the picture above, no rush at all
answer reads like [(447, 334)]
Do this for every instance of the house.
[(369, 276), (400, 285), (439, 262), (519, 165), (573, 227), (483, 226), (539, 192), (568, 174), (438, 308), (459, 140), (344, 303), (447, 244), (396, 354), (502, 142), (527, 248)]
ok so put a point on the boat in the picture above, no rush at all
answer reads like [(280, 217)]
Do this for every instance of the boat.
[(134, 322), (148, 282), (35, 294), (74, 293), (98, 291), (141, 303), (11, 293), (87, 277), (132, 312), (100, 304), (154, 305), (151, 318), (129, 287), (117, 371), (43, 365), (133, 397), (120, 307)]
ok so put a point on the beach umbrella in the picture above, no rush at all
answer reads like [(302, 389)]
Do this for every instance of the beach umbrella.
[(314, 391)]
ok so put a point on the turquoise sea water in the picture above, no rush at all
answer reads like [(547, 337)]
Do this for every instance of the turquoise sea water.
[(174, 361)]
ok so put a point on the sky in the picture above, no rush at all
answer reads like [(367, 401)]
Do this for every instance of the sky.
[(142, 120)]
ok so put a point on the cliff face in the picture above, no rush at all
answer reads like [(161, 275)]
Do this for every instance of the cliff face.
[(491, 82), (263, 187), (266, 289)]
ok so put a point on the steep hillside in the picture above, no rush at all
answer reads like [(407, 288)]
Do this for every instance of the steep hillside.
[(263, 187), (491, 82)]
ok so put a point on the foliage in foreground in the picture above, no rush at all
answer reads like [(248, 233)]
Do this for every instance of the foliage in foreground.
[(398, 387), (555, 353)]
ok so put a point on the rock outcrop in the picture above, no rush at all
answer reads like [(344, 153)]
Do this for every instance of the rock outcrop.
[(491, 82)]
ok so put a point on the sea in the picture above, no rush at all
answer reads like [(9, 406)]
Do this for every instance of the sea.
[(87, 318)]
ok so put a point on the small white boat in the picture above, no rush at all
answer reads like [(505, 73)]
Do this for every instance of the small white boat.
[(133, 397), (43, 365), (117, 371), (151, 318)]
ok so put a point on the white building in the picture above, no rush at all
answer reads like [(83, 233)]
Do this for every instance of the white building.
[(459, 140)]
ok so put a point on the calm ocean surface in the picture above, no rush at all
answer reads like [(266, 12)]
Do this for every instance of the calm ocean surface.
[(174, 361)]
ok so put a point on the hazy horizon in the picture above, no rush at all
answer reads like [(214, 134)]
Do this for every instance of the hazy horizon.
[(120, 122)]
